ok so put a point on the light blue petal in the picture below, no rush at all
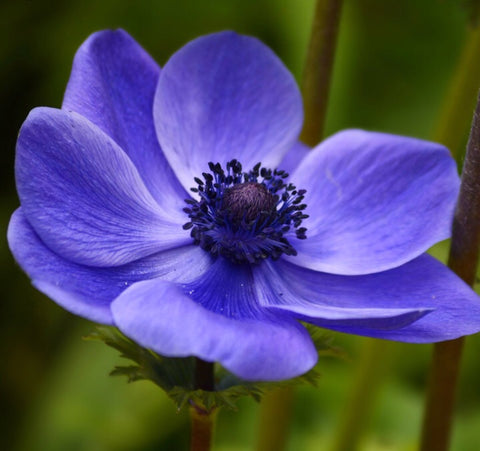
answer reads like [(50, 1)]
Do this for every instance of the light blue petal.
[(375, 201), (160, 316), (293, 158), (113, 83), (420, 302), (88, 291), (84, 197), (225, 96)]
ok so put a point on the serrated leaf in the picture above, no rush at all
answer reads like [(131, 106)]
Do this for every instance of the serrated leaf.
[(176, 375)]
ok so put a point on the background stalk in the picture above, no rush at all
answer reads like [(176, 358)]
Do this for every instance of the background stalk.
[(319, 68), (370, 372), (463, 261), (277, 406), (275, 416)]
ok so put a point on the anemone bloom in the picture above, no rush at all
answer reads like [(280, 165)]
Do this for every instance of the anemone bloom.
[(110, 228)]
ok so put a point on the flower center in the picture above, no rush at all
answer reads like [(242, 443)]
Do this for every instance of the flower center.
[(247, 201), (245, 216)]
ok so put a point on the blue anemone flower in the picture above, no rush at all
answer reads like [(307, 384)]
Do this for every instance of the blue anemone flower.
[(270, 235)]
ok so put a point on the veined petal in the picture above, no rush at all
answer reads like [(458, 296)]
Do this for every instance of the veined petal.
[(293, 157), (88, 291), (225, 96), (83, 196), (329, 317), (113, 84), (226, 288), (436, 304), (158, 315), (375, 201)]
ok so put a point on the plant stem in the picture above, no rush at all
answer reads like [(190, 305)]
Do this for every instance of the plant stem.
[(464, 251), (203, 425), (318, 68), (202, 419), (204, 379), (437, 421), (463, 261)]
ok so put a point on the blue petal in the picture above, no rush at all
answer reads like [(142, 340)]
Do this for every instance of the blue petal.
[(88, 291), (226, 288), (354, 304), (293, 157), (113, 84), (84, 197), (375, 201), (225, 96), (158, 315)]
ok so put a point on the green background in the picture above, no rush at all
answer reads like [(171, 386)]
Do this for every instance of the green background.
[(394, 66)]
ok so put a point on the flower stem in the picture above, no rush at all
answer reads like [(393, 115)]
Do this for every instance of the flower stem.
[(319, 68), (204, 379), (463, 261), (202, 419), (203, 424)]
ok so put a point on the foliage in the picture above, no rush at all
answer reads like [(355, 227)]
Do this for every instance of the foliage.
[(176, 375)]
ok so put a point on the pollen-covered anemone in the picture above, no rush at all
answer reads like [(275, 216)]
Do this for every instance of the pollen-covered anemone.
[(273, 234)]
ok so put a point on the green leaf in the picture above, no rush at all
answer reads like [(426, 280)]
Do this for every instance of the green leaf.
[(176, 375)]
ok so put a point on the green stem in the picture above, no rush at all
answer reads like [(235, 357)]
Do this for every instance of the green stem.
[(369, 376), (452, 126), (319, 68), (202, 419), (463, 261)]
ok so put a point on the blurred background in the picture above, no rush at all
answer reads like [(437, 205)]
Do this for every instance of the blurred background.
[(395, 66)]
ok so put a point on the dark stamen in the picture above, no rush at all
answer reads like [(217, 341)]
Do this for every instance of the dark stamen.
[(245, 216)]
